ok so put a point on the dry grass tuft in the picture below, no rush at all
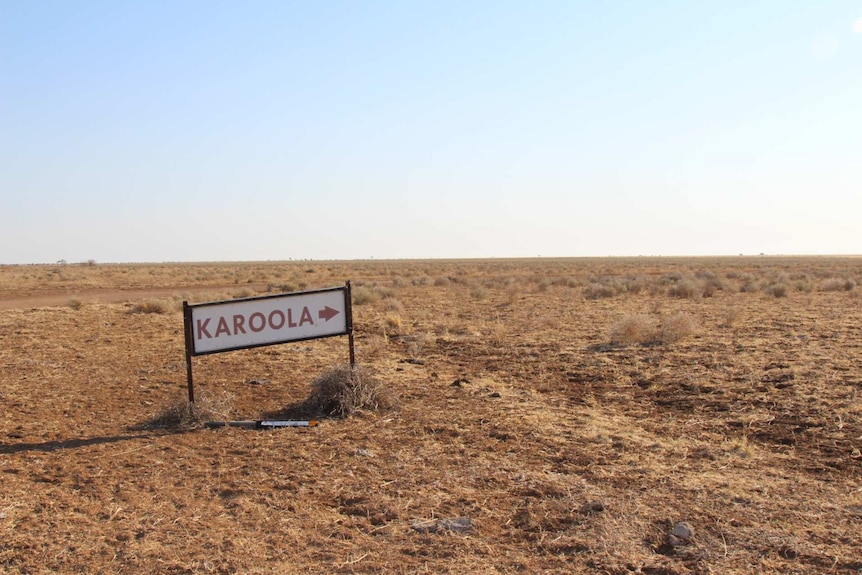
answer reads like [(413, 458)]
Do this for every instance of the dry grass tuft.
[(640, 329), (181, 414), (776, 290), (393, 320), (686, 289), (837, 284), (151, 306), (633, 329), (732, 315), (599, 291), (364, 295), (677, 327), (344, 390)]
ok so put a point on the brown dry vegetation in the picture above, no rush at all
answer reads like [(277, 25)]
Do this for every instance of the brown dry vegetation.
[(530, 433)]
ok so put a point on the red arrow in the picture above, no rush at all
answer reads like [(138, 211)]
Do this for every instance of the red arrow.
[(327, 313)]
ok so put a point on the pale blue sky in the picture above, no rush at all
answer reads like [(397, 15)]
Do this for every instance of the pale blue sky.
[(188, 131)]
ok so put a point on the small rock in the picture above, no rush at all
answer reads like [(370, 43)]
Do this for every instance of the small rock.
[(495, 394), (682, 530), (456, 525), (257, 381), (424, 526), (362, 452), (460, 381), (592, 507)]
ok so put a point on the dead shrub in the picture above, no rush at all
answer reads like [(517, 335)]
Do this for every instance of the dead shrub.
[(803, 284), (686, 289), (676, 327), (837, 284), (242, 293), (385, 292), (750, 286), (363, 295), (711, 286), (343, 391), (151, 306), (599, 291), (182, 414), (478, 292), (635, 285), (393, 320), (633, 329), (731, 316), (513, 293), (281, 288), (776, 290)]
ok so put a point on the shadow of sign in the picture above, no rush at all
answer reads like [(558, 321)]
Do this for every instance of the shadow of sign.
[(61, 444)]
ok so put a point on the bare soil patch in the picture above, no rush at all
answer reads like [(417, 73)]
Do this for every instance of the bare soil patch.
[(527, 435)]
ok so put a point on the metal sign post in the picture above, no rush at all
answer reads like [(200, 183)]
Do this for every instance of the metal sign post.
[(217, 327)]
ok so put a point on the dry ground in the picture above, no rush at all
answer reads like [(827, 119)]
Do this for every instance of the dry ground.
[(538, 404)]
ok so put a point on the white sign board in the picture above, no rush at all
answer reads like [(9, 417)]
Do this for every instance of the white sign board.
[(252, 322)]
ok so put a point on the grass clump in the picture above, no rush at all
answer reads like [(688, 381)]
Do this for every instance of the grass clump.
[(633, 329), (640, 329), (776, 290), (151, 306), (676, 327), (345, 390), (478, 292), (686, 289), (364, 295), (183, 414), (599, 291), (367, 294), (837, 284)]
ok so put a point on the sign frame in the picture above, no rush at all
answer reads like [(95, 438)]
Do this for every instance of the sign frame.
[(189, 318)]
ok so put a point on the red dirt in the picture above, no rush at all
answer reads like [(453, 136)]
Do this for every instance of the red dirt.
[(566, 453)]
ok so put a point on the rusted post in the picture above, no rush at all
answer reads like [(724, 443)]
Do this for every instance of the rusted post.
[(349, 309), (187, 321)]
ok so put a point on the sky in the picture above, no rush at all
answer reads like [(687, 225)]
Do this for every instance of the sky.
[(181, 130)]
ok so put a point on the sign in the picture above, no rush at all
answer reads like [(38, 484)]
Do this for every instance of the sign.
[(253, 322)]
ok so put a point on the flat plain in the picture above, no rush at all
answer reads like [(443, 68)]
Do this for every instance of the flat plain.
[(607, 415)]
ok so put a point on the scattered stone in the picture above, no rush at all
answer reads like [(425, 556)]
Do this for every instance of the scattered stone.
[(257, 381), (495, 394), (682, 530), (592, 507), (456, 525), (460, 381), (424, 526), (362, 452)]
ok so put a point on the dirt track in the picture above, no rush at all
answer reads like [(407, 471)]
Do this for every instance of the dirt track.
[(55, 298)]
